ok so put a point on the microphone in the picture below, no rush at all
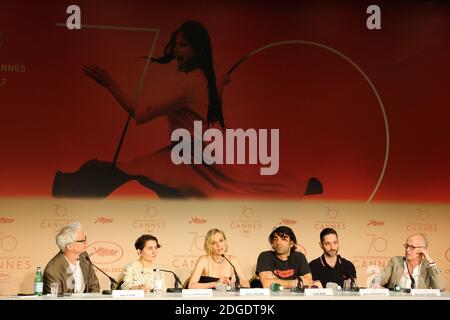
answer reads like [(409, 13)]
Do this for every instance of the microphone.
[(177, 281), (237, 284), (300, 286), (113, 281)]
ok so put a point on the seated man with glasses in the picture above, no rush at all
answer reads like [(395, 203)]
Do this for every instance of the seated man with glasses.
[(415, 270), (70, 267)]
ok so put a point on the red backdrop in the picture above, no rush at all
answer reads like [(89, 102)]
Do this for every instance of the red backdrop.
[(330, 121)]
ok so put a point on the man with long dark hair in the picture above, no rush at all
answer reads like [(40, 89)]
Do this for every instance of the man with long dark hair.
[(284, 264)]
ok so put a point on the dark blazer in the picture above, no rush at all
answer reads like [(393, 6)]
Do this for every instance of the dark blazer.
[(430, 276), (56, 271)]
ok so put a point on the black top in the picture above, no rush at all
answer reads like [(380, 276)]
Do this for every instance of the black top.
[(295, 266), (322, 271), (206, 279)]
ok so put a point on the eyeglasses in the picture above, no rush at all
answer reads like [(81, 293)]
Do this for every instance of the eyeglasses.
[(411, 247), (82, 241)]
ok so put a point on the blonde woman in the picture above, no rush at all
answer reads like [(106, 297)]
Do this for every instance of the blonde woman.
[(213, 268)]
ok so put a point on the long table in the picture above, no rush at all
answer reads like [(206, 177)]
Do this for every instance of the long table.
[(223, 305)]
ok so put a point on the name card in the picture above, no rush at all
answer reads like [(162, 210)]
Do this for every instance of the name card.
[(374, 292), (254, 292), (197, 292), (128, 293), (319, 292), (426, 292)]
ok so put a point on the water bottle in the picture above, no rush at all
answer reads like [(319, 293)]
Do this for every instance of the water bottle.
[(376, 282), (157, 281), (276, 287), (353, 283), (38, 283)]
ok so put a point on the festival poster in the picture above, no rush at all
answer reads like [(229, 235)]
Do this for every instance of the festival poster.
[(337, 104), (362, 110)]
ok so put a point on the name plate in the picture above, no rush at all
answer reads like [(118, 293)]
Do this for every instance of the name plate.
[(426, 292), (319, 292), (374, 292), (254, 292), (128, 293), (197, 292)]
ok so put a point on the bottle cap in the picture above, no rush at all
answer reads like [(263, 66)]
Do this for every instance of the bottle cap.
[(275, 287)]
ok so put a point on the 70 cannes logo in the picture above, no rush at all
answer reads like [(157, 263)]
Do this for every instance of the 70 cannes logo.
[(7, 242)]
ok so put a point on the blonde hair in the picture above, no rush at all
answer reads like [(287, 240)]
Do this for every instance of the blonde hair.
[(207, 245)]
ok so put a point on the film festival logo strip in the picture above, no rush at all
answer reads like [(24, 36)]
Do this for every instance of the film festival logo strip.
[(246, 223), (11, 264), (195, 242), (331, 220), (376, 257), (376, 243), (422, 223), (58, 218), (149, 223)]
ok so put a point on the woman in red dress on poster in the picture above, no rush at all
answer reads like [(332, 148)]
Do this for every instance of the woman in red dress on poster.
[(196, 97)]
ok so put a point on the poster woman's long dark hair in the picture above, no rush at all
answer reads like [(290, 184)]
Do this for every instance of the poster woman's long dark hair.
[(198, 37)]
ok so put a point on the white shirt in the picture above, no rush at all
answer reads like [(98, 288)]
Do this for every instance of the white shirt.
[(405, 281), (76, 279), (134, 274)]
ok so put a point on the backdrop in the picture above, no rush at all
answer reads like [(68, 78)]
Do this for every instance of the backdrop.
[(363, 110), (369, 234)]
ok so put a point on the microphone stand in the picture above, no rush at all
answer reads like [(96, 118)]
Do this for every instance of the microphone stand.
[(111, 279), (237, 284), (177, 281), (300, 285)]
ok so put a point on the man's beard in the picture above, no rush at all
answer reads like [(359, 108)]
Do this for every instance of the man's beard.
[(334, 253)]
